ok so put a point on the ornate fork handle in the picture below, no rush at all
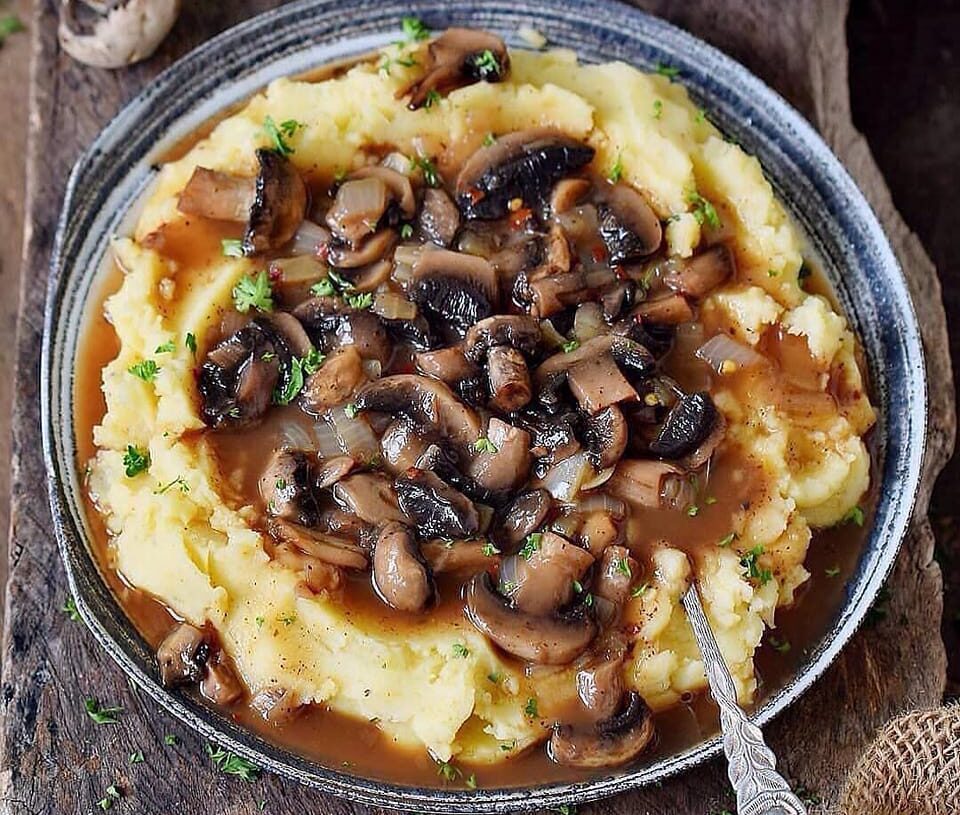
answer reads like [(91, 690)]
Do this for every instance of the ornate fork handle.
[(751, 765)]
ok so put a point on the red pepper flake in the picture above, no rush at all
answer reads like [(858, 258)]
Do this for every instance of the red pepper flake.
[(519, 218), (474, 195), (275, 273), (598, 252)]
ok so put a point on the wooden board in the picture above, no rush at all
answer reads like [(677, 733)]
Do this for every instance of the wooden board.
[(54, 759)]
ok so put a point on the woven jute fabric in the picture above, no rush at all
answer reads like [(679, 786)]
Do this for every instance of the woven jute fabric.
[(911, 768)]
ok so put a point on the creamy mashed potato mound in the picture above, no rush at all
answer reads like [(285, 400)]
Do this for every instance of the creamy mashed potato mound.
[(175, 536)]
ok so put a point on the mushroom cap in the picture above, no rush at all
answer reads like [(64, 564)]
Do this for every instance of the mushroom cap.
[(630, 229), (687, 425), (129, 32), (519, 331), (279, 205), (546, 640), (437, 509), (611, 742), (400, 575)]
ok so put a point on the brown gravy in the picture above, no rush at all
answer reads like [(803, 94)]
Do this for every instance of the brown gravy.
[(318, 734)]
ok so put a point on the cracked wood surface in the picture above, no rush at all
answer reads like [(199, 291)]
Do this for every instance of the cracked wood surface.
[(53, 759)]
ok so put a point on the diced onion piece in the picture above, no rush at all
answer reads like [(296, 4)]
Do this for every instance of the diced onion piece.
[(588, 321), (564, 479), (405, 257), (355, 435), (532, 37), (370, 277), (598, 480), (725, 355), (392, 305), (580, 223), (325, 437), (295, 437), (399, 162), (550, 335), (309, 238), (358, 207), (601, 502), (485, 514)]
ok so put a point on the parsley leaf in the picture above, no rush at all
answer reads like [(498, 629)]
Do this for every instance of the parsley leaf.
[(146, 370), (489, 139), (191, 342), (406, 231), (323, 288), (169, 739), (70, 608), (278, 134), (484, 445), (639, 591), (616, 171), (833, 571), (232, 764), (669, 71), (570, 345), (113, 794), (703, 210), (854, 515), (657, 108), (137, 757), (782, 646), (490, 550), (177, 482), (312, 361), (292, 386), (359, 301), (749, 561), (432, 98), (487, 65), (413, 29), (471, 781), (531, 545), (231, 247), (101, 715), (727, 539), (623, 566), (351, 410), (9, 24), (253, 292), (135, 460), (166, 348), (429, 169), (530, 708), (447, 771), (460, 651)]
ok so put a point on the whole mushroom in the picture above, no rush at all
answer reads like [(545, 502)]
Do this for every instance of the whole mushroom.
[(115, 34)]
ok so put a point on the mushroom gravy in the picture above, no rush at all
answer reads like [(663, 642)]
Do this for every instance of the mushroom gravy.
[(474, 389)]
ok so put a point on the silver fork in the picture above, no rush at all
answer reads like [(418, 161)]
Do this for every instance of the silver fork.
[(751, 765)]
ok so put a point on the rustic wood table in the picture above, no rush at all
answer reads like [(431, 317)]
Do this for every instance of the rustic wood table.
[(54, 759)]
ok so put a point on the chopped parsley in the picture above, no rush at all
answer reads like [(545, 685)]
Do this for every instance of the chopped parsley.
[(253, 292), (701, 116), (471, 781), (577, 586), (191, 342), (669, 71), (623, 566), (487, 65), (693, 510), (70, 608), (113, 794), (403, 59), (588, 599), (287, 619), (135, 460), (508, 745), (231, 247), (351, 410), (494, 677), (490, 550), (170, 739), (312, 361), (146, 370), (570, 346), (772, 272), (433, 97), (657, 108), (484, 445), (727, 539), (749, 561), (232, 764), (616, 171), (460, 650), (833, 571), (9, 24), (703, 210), (854, 515), (278, 134), (167, 348), (507, 587), (99, 714), (531, 544), (566, 809), (447, 771), (414, 29), (406, 231), (178, 482), (530, 708), (489, 139), (782, 646), (359, 301), (429, 169), (639, 591), (136, 757), (259, 620), (323, 288)]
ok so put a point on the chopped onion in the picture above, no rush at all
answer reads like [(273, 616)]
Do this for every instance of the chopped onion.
[(405, 257), (399, 162), (355, 435), (392, 305), (550, 335), (721, 352), (485, 514), (598, 480), (295, 437), (564, 479), (601, 502), (325, 438), (309, 238), (358, 207), (588, 321)]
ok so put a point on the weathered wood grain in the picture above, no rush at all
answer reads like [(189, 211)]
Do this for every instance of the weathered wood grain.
[(53, 759)]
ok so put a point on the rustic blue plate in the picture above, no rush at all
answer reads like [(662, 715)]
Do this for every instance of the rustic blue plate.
[(109, 177)]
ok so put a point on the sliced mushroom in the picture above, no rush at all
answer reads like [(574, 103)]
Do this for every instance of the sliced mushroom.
[(449, 365), (402, 444), (436, 508), (508, 466), (546, 640), (599, 530), (120, 34), (690, 422), (597, 383), (553, 293), (525, 514), (439, 217), (458, 57), (673, 309), (509, 379), (290, 330), (702, 273), (567, 193), (286, 487), (398, 185), (399, 573), (606, 437), (444, 556), (646, 483), (600, 687), (452, 305), (426, 401), (220, 684), (339, 376), (369, 496), (330, 549), (182, 655), (333, 470), (518, 331), (276, 201), (523, 165), (369, 251), (554, 437), (317, 577), (541, 578), (617, 571), (613, 741), (629, 228)]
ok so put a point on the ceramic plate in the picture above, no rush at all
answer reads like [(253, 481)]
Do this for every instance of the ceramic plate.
[(110, 176)]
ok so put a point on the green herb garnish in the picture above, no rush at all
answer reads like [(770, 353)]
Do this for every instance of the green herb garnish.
[(639, 591), (490, 550), (146, 370), (323, 288), (484, 445), (854, 515), (99, 714), (413, 29), (137, 757), (70, 608), (351, 410), (486, 64), (489, 139), (727, 539), (191, 342), (749, 561), (232, 764), (703, 210), (135, 460), (447, 771), (570, 345), (429, 169), (779, 645), (657, 108), (406, 231), (616, 171), (253, 292), (460, 651), (669, 71), (531, 545), (530, 708), (278, 134), (167, 348), (359, 301), (833, 571)]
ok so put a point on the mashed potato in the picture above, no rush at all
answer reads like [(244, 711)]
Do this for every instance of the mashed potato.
[(174, 535)]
